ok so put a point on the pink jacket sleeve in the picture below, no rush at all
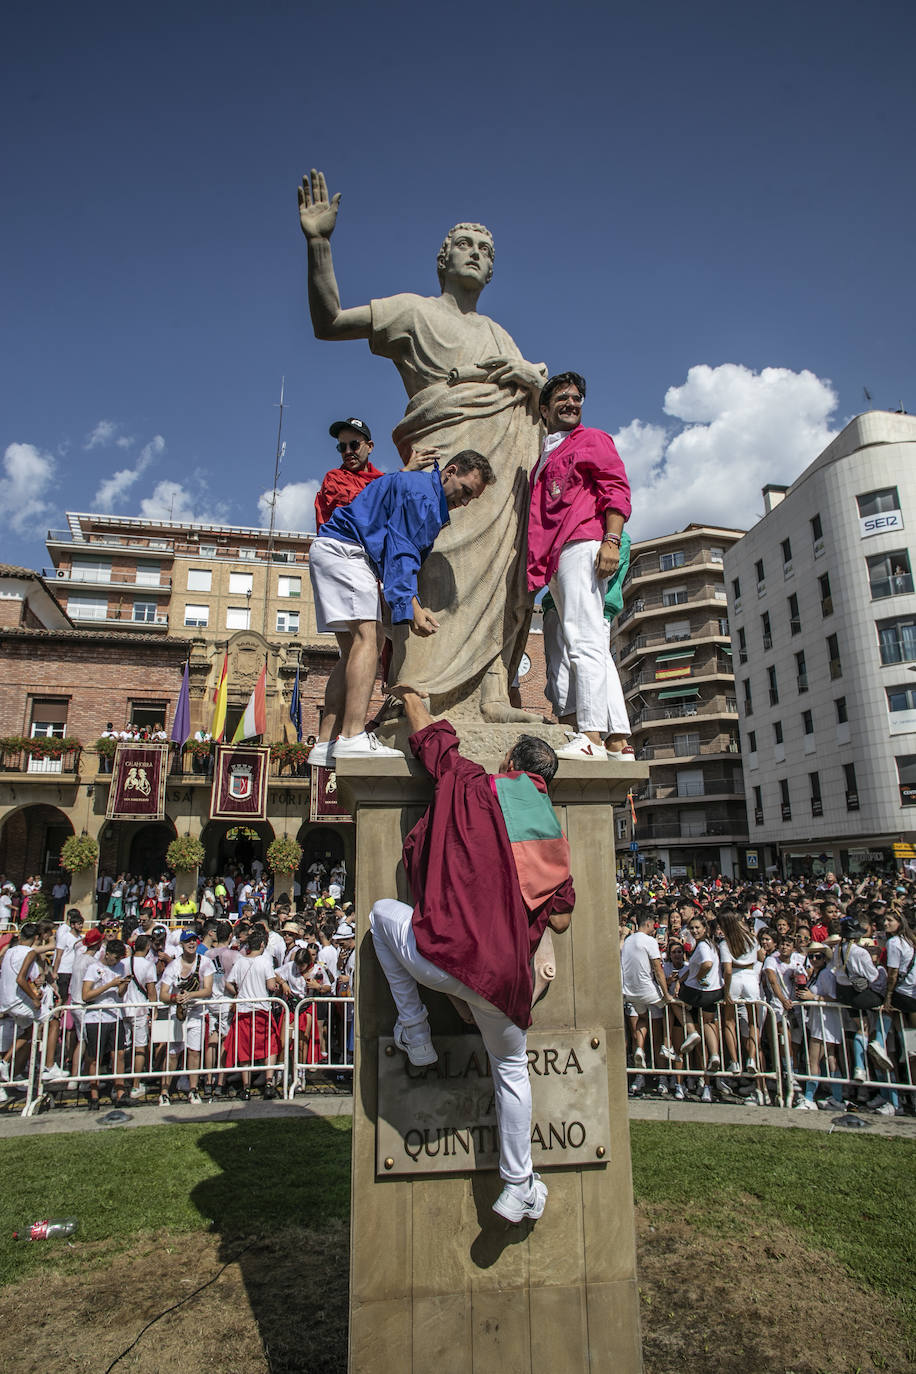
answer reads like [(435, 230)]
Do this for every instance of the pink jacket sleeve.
[(603, 470)]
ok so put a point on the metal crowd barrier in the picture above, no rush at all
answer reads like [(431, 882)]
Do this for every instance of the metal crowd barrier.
[(323, 1033), (820, 1037), (150, 1049)]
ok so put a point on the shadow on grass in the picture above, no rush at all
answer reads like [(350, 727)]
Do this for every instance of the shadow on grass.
[(280, 1206)]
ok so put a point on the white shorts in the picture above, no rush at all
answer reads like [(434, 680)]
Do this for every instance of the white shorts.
[(640, 1005), (193, 1036), (14, 1026), (745, 985), (136, 1028), (344, 583)]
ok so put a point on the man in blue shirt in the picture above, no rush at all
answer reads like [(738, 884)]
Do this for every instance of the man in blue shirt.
[(383, 535)]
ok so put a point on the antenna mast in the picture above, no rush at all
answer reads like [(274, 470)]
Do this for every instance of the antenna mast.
[(281, 449)]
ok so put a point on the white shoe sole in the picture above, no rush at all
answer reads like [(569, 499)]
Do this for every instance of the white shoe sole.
[(420, 1055), (515, 1209), (880, 1055), (689, 1043)]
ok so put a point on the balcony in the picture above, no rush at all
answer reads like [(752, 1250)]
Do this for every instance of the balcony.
[(121, 620), (651, 565), (17, 759), (711, 629), (117, 577), (711, 787), (676, 830), (817, 806), (650, 604), (719, 706), (786, 811)]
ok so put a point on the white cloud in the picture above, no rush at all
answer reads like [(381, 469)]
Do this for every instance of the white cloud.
[(295, 506), (28, 474), (125, 441), (103, 434), (114, 488), (738, 430), (173, 501)]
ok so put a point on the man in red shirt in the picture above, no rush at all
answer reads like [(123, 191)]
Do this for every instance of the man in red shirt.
[(354, 444), (488, 866)]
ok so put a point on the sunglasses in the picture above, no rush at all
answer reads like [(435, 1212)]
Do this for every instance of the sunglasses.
[(350, 446)]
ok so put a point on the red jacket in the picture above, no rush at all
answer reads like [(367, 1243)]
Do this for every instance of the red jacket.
[(338, 489)]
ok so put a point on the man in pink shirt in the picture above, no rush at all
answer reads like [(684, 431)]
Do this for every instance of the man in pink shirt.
[(580, 502)]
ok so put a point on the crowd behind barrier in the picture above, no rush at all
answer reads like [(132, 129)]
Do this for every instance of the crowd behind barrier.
[(797, 994)]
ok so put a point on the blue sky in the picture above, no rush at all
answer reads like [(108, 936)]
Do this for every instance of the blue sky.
[(707, 209)]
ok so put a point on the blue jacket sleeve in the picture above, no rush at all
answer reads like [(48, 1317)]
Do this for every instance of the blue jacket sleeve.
[(412, 529)]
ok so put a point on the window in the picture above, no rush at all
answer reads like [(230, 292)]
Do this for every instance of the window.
[(288, 622), (677, 630), (87, 607), (283, 556), (777, 732), (833, 654), (901, 698), (758, 806), (786, 547), (238, 618), (248, 554), (49, 721), (145, 612), (774, 686), (674, 596), (621, 827), (801, 671), (240, 584), (748, 703), (723, 626), (906, 775), (852, 790), (807, 723), (817, 529), (785, 801), (896, 640), (752, 741), (742, 645), (877, 502), (794, 617), (826, 599), (686, 745), (197, 616), (690, 782), (163, 544), (85, 569), (817, 806), (736, 589), (761, 577), (200, 579), (289, 586), (889, 574), (207, 550), (841, 714), (152, 714), (766, 631), (149, 574), (667, 561), (717, 555)]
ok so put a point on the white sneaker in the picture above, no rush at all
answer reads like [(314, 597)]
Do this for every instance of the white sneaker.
[(581, 747), (859, 1075), (4, 1095), (321, 755), (706, 1094), (751, 1066), (668, 1053), (637, 1084), (518, 1202), (164, 1099), (417, 1043), (53, 1074), (715, 1063), (804, 1105), (4, 1070), (363, 746), (692, 1039), (734, 1067), (193, 1099), (639, 1059), (625, 755), (678, 1092), (762, 1097), (886, 1109), (880, 1054), (137, 1092), (662, 1090)]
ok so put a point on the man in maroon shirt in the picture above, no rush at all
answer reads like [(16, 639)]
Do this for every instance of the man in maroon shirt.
[(473, 931)]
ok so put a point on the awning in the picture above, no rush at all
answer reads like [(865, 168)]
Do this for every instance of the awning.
[(723, 650), (674, 653), (670, 692)]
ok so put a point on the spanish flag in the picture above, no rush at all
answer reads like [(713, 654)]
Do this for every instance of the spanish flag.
[(254, 721), (218, 726)]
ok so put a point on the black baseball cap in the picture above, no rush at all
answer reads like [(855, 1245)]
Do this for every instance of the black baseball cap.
[(353, 423)]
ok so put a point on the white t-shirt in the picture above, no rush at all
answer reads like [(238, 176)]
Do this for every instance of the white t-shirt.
[(250, 977), (276, 948), (785, 974), (65, 940), (746, 960), (851, 959), (327, 957), (12, 998), (636, 968), (108, 1006), (144, 971), (704, 953), (900, 956), (294, 977), (173, 974)]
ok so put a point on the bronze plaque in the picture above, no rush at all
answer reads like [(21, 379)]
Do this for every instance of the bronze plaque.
[(442, 1119)]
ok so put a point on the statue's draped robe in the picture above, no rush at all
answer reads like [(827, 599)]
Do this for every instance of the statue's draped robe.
[(474, 579)]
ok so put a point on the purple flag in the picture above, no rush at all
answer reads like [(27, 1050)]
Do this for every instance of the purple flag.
[(181, 725)]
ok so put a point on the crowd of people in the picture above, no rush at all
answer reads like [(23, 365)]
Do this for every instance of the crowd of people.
[(181, 996), (730, 986)]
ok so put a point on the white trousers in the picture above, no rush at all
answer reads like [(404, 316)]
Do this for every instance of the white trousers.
[(581, 672), (404, 967)]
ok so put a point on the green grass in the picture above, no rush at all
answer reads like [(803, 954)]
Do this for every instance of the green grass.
[(850, 1197)]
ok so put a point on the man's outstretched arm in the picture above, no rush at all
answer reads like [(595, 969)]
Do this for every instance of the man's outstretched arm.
[(415, 709), (317, 216)]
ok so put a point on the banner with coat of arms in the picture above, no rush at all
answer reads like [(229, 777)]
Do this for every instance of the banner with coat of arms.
[(240, 775), (137, 790)]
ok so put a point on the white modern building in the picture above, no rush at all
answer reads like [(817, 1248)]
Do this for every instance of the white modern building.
[(823, 622)]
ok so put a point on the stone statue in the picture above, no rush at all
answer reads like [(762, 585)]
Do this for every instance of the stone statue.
[(468, 387)]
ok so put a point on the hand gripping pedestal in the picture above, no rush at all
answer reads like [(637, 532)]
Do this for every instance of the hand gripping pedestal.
[(439, 1284)]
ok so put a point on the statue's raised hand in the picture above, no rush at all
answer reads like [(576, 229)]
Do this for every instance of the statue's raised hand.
[(317, 214)]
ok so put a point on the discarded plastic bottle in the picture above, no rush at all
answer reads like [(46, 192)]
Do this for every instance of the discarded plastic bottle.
[(51, 1229)]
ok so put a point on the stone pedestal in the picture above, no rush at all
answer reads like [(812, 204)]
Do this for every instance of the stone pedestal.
[(438, 1282)]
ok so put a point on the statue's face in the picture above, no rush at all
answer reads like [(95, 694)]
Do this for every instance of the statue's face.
[(470, 259), (564, 409)]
